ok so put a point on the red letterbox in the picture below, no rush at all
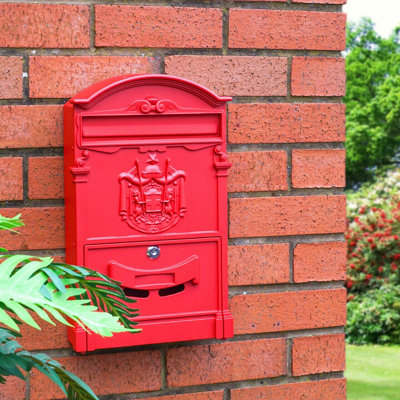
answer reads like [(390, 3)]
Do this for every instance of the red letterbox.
[(146, 203)]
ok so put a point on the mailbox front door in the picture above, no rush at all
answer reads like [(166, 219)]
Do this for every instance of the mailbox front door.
[(146, 203)]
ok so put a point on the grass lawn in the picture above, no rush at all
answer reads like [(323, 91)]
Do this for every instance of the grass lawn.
[(373, 372)]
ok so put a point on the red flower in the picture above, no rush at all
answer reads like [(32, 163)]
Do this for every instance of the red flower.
[(349, 283), (369, 276), (396, 256), (396, 237), (394, 267), (362, 210), (352, 266), (373, 245), (380, 269)]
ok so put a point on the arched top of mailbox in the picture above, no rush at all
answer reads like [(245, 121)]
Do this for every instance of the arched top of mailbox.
[(96, 92)]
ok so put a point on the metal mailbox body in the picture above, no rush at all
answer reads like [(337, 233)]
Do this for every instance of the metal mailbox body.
[(146, 203)]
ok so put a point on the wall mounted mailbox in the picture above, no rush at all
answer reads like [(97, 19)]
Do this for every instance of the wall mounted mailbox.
[(146, 203)]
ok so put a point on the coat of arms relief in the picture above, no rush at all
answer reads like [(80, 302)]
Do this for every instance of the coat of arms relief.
[(152, 195)]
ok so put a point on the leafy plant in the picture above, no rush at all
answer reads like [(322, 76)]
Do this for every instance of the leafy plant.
[(372, 101), (374, 317), (373, 235), (67, 294)]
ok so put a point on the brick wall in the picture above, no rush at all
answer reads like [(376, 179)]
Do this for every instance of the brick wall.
[(281, 62)]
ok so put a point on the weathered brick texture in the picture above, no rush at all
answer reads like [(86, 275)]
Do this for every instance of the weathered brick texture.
[(46, 177), (10, 77), (258, 171), (14, 390), (232, 75), (318, 168), (158, 27), (320, 390), (269, 264), (280, 61), (291, 215), (319, 262), (299, 30), (64, 76), (44, 25), (31, 126), (318, 76), (287, 311), (11, 178), (318, 354), (106, 373), (44, 229), (286, 123), (225, 362)]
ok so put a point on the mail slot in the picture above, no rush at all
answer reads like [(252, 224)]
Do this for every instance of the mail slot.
[(146, 203)]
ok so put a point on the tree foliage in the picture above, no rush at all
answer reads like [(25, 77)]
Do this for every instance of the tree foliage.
[(372, 101)]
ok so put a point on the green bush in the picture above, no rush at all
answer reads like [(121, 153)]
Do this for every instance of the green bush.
[(374, 317)]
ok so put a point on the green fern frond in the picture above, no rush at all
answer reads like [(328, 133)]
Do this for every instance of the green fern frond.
[(64, 292), (10, 223), (15, 361)]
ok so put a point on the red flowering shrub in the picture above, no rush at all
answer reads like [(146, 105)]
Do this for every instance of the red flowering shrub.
[(373, 244)]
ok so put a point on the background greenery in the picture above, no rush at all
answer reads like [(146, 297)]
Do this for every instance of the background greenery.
[(372, 102), (373, 372)]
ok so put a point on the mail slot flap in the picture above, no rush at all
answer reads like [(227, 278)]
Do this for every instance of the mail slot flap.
[(193, 264), (119, 130), (187, 270), (130, 260)]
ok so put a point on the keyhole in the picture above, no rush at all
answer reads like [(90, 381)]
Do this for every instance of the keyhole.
[(153, 252)]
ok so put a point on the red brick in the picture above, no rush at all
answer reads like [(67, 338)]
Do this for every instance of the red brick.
[(177, 27), (64, 76), (46, 177), (258, 264), (233, 75), (318, 354), (288, 311), (286, 123), (44, 229), (321, 1), (320, 262), (11, 180), (30, 126), (49, 337), (226, 362), (44, 25), (318, 168), (219, 395), (14, 389), (291, 30), (318, 76), (285, 216), (10, 77), (332, 389), (105, 374), (258, 171)]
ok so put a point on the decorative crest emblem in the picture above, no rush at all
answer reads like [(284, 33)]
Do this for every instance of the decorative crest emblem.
[(152, 200)]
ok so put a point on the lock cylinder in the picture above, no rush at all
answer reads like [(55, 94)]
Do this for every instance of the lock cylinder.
[(153, 252)]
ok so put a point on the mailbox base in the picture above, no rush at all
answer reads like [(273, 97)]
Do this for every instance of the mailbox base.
[(173, 330)]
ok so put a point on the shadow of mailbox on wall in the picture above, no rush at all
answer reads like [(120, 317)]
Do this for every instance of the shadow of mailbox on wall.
[(146, 203)]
